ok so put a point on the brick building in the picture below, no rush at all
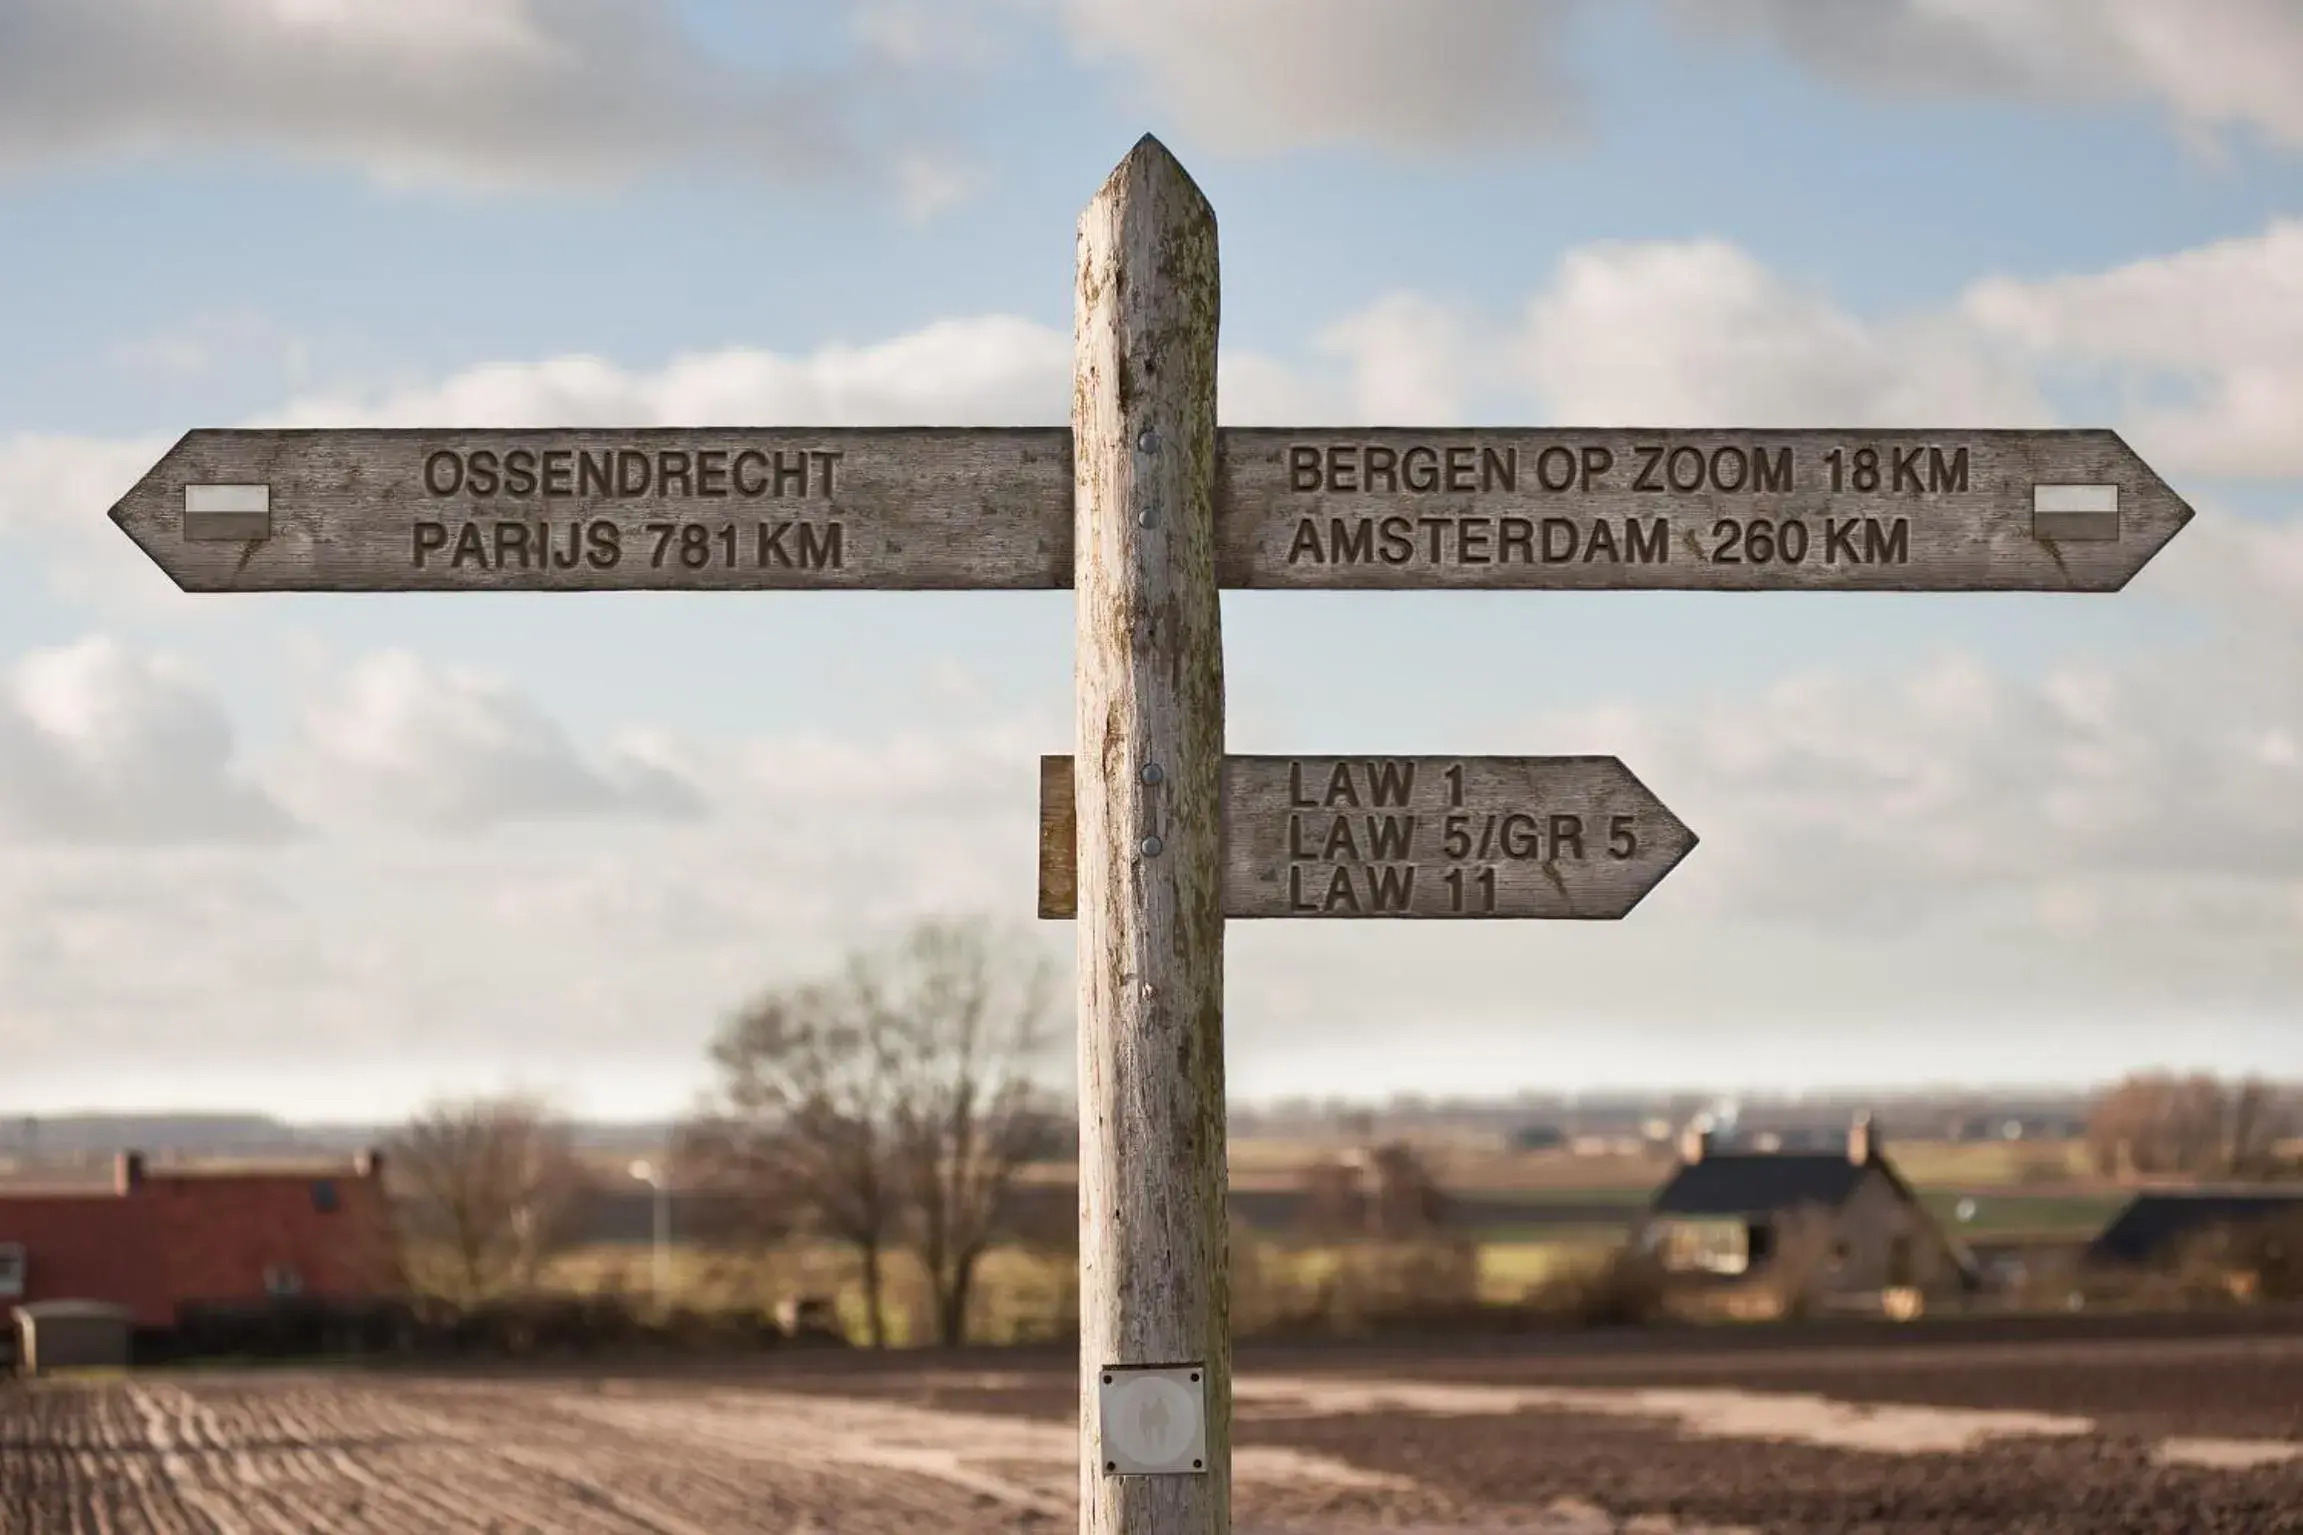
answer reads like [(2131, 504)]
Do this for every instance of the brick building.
[(165, 1243)]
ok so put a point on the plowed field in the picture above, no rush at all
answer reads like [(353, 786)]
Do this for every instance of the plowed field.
[(2186, 1437)]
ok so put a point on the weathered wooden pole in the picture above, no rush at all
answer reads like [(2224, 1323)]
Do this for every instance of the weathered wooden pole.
[(1155, 1324)]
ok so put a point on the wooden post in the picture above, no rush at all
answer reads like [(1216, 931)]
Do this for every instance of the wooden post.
[(1154, 1287)]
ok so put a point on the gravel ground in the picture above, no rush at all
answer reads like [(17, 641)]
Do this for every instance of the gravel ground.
[(2188, 1437)]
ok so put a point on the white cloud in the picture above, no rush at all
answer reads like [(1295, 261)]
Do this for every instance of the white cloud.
[(2200, 351), (930, 184), (400, 740), (575, 951), (1401, 356), (479, 92), (2160, 786), (55, 485), (984, 371), (100, 744), (1684, 333), (2210, 63), (492, 93), (1410, 360), (209, 342), (2219, 327), (1403, 360), (1264, 76), (939, 34)]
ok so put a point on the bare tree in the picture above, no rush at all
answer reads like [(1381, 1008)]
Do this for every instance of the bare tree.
[(1384, 1193), (490, 1187), (804, 1121), (2156, 1123), (893, 1103), (2253, 1122), (965, 1015)]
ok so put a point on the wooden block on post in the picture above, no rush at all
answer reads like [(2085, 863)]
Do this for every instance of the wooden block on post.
[(1059, 841)]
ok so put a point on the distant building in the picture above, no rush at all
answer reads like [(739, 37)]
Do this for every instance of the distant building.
[(165, 1244), (2155, 1227), (1821, 1226), (72, 1334)]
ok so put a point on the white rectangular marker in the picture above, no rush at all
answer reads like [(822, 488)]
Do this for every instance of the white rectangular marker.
[(2074, 512), (232, 514)]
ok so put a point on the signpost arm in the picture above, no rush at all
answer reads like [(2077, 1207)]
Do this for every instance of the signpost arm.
[(1153, 1281)]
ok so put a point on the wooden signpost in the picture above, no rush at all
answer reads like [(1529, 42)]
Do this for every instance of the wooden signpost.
[(1151, 835)]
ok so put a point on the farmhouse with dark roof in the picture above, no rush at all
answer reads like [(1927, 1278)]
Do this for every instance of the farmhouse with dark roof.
[(2158, 1227), (1804, 1229)]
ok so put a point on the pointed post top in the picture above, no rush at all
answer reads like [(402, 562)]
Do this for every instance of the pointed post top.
[(1151, 168)]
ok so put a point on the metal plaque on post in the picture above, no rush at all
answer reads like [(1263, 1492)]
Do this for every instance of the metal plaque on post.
[(1152, 1419)]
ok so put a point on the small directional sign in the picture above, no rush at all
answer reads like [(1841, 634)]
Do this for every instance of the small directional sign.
[(1560, 837), (1382, 508)]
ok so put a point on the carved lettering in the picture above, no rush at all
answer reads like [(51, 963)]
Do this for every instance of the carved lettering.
[(1382, 469), (1355, 468), (820, 546), (595, 473), (1839, 541), (712, 472), (1555, 468), (632, 473), (1646, 541), (1888, 544), (1944, 476), (1390, 886), (1302, 467), (1650, 466), (1767, 477), (1476, 540), (1376, 836)]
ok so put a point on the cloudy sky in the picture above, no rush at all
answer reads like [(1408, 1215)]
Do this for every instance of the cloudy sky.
[(327, 855)]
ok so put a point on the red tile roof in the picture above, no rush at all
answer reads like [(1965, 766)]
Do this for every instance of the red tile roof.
[(166, 1238)]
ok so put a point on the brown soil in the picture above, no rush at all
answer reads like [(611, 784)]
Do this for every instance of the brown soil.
[(2098, 1437)]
